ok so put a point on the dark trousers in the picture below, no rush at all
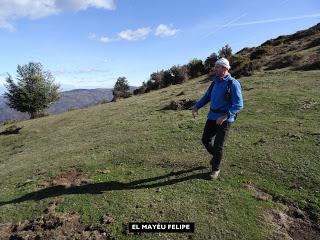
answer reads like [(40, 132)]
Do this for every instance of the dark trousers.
[(220, 134)]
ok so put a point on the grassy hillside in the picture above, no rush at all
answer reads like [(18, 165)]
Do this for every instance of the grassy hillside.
[(298, 51), (147, 164)]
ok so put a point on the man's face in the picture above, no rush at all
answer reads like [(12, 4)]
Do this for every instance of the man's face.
[(220, 70)]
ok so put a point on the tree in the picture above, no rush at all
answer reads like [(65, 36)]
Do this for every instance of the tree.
[(167, 79), (121, 89), (121, 85), (195, 68), (179, 74), (210, 61), (225, 52), (34, 91), (155, 81)]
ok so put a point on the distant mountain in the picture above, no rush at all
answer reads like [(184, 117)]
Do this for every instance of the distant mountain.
[(7, 113), (79, 98), (73, 99)]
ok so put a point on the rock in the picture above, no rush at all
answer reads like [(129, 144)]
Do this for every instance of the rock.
[(105, 171), (107, 219)]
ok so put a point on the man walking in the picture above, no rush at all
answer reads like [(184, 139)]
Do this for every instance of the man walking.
[(225, 96)]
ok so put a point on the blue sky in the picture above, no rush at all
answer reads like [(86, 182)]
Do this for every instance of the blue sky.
[(90, 43)]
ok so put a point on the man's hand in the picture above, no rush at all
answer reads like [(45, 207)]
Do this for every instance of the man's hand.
[(194, 111), (221, 119)]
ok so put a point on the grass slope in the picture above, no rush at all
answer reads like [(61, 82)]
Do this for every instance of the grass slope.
[(271, 146)]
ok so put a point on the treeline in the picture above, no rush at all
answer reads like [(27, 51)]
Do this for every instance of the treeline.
[(178, 74)]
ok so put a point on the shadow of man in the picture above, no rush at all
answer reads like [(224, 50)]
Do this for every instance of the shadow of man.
[(98, 188)]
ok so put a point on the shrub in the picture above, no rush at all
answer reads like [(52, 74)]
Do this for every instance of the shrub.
[(259, 52), (178, 74), (121, 89), (141, 90), (246, 68), (312, 66), (300, 34), (286, 61), (225, 52), (195, 68), (313, 43), (275, 42), (209, 62)]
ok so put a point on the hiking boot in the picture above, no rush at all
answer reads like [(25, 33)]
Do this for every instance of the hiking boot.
[(214, 174)]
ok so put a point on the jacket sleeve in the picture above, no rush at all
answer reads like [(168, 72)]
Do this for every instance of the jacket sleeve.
[(236, 99), (204, 100)]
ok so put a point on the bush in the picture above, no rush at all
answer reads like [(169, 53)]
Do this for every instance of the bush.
[(119, 94), (141, 90), (300, 34), (167, 79), (121, 85), (178, 74), (286, 61), (121, 89), (313, 43), (195, 68), (312, 66), (246, 68), (244, 51), (275, 42), (259, 52), (209, 62), (238, 60), (155, 81), (225, 52)]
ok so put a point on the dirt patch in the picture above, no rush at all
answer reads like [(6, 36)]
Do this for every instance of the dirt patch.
[(259, 193), (71, 178), (184, 104), (293, 223), (14, 129), (53, 225), (289, 222)]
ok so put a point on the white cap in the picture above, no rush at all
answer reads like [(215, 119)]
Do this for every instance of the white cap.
[(223, 62)]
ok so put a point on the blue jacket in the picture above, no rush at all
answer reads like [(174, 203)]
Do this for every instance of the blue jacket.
[(217, 99)]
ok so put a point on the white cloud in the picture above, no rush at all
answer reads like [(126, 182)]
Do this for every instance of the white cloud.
[(7, 26), (92, 36), (35, 9), (165, 31), (137, 34), (105, 39), (133, 35), (78, 5)]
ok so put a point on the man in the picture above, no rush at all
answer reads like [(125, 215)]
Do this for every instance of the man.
[(226, 101)]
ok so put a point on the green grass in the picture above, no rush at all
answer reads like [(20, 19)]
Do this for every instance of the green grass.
[(137, 141)]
